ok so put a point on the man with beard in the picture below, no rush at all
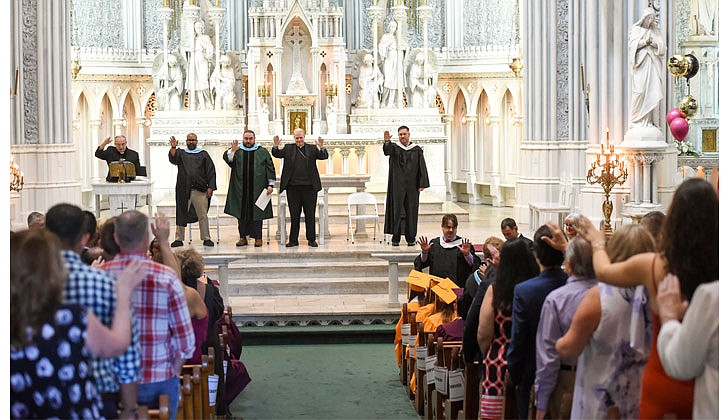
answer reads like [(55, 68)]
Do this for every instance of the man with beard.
[(195, 184)]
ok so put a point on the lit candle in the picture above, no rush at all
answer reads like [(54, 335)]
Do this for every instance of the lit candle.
[(611, 148), (602, 148), (217, 3), (165, 3)]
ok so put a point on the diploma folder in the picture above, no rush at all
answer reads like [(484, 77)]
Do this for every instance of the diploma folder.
[(263, 199)]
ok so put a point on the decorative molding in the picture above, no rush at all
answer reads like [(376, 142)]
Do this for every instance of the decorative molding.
[(682, 21), (153, 28), (562, 69), (30, 72), (474, 22), (98, 23)]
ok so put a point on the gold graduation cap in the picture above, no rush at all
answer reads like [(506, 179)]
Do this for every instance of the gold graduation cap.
[(445, 294), (445, 283), (418, 281), (123, 170)]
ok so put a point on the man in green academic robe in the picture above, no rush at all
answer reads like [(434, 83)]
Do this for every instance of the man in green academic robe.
[(252, 174)]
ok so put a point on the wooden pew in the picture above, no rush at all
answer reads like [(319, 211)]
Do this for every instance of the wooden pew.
[(444, 351), (221, 408), (420, 375), (200, 393), (212, 371), (402, 342), (411, 360), (473, 391), (430, 387), (451, 408), (186, 408), (161, 413)]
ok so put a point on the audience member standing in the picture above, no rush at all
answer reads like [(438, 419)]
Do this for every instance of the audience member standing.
[(690, 349), (196, 181), (252, 172), (555, 376), (528, 299), (36, 220), (611, 334), (509, 229), (116, 378), (689, 251), (407, 178), (166, 334), (300, 179), (449, 255), (51, 342)]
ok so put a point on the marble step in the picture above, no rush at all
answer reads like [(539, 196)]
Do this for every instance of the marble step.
[(313, 286), (313, 270)]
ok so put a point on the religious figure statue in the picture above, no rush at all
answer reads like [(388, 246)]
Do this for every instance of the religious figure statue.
[(198, 69), (646, 59), (169, 83), (391, 68), (420, 82), (370, 83), (222, 83), (331, 118), (702, 16), (263, 120), (297, 123)]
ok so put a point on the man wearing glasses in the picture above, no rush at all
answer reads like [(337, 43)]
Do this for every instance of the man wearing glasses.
[(116, 153)]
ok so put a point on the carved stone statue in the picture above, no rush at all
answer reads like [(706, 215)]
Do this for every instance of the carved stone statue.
[(222, 83), (646, 59), (331, 118), (420, 82), (370, 83), (263, 120), (169, 82), (703, 14), (392, 68), (198, 69)]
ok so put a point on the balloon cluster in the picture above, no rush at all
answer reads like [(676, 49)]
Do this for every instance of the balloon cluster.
[(685, 66)]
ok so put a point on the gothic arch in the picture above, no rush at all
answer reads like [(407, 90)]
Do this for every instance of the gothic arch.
[(484, 140)]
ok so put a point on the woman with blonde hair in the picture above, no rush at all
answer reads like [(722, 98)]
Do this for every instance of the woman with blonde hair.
[(51, 343)]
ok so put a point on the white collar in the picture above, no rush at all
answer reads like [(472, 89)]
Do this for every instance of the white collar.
[(448, 245), (410, 146)]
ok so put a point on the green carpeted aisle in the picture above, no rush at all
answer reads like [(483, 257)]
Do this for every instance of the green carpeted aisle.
[(322, 381)]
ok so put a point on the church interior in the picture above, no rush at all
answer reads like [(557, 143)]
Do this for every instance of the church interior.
[(524, 109)]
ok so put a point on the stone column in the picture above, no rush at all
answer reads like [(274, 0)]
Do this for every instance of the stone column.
[(316, 88), (345, 161), (471, 176), (361, 153), (376, 14), (41, 130), (217, 14), (448, 119)]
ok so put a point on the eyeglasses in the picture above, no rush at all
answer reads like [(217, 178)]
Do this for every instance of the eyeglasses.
[(569, 225)]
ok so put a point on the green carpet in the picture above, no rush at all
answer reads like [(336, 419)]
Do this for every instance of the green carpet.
[(344, 381)]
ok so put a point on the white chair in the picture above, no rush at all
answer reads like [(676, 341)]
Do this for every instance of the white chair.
[(210, 217), (562, 208), (356, 205)]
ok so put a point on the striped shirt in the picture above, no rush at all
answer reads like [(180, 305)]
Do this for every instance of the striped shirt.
[(94, 289), (166, 334)]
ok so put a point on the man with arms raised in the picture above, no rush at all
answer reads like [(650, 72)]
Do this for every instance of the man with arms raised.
[(116, 153)]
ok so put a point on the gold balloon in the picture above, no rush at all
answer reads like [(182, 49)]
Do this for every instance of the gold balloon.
[(688, 106), (678, 65)]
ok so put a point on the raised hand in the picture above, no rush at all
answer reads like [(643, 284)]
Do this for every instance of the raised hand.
[(669, 300), (586, 229), (465, 247), (320, 142), (98, 262), (557, 239), (106, 141), (424, 244), (276, 140), (387, 136), (494, 255), (235, 146), (160, 227), (173, 142)]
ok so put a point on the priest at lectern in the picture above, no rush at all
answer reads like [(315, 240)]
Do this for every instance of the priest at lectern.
[(116, 154)]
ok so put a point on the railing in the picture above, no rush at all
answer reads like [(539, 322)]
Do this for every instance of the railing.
[(691, 165)]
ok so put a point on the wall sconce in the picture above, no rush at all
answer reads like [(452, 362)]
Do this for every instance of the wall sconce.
[(264, 91), (16, 176), (331, 90), (516, 66)]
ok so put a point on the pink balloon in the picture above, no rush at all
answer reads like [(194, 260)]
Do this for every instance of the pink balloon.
[(679, 128), (672, 114)]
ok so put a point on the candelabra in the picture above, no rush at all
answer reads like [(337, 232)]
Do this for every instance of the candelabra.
[(263, 91), (607, 171), (16, 176), (331, 91)]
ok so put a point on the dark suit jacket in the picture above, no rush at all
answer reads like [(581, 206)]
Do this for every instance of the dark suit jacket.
[(312, 153), (110, 154), (528, 298)]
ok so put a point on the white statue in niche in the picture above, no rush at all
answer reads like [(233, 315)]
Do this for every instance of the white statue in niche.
[(703, 15), (222, 83), (370, 83), (331, 118), (392, 68), (198, 69), (421, 79), (263, 119), (646, 59), (168, 81)]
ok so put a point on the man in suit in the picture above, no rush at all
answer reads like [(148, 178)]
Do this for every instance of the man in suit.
[(300, 178), (509, 229), (116, 153), (528, 298)]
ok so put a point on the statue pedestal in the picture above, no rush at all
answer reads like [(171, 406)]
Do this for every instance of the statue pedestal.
[(643, 150)]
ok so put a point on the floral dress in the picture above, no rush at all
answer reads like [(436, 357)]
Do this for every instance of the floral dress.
[(610, 369), (494, 385), (52, 377)]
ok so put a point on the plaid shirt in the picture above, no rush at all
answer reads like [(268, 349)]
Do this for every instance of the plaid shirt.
[(94, 289), (166, 334)]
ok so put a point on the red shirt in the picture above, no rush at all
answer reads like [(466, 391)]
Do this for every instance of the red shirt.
[(165, 333)]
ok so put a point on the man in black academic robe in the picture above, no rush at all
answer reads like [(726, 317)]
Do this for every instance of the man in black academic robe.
[(407, 178), (116, 153), (195, 184), (449, 255), (300, 178), (251, 173)]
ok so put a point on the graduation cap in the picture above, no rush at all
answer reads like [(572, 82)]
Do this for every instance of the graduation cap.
[(444, 294), (445, 283), (418, 281)]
